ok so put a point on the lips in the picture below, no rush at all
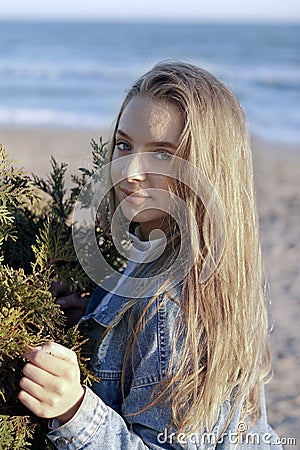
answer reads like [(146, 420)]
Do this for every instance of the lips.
[(135, 197)]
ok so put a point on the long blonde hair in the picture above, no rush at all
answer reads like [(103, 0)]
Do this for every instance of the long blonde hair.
[(223, 324)]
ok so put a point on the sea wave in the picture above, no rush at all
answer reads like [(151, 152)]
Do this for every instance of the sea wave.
[(50, 71), (75, 74), (48, 117)]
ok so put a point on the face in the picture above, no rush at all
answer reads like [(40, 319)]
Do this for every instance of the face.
[(148, 134)]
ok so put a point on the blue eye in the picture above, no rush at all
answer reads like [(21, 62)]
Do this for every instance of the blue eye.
[(163, 155), (123, 146)]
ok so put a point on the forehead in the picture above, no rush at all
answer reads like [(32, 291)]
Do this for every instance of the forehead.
[(154, 119)]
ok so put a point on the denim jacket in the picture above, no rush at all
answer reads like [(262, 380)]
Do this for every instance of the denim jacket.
[(109, 420)]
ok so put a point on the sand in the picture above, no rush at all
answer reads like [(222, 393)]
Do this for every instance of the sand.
[(34, 147), (277, 173)]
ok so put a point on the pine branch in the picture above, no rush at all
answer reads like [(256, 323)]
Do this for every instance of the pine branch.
[(35, 248)]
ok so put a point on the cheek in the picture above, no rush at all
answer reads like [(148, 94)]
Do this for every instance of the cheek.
[(161, 198), (160, 182)]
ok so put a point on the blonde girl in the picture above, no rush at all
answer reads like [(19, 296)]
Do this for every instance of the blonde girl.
[(183, 359)]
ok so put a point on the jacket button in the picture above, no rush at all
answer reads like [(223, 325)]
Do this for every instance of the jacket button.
[(61, 442)]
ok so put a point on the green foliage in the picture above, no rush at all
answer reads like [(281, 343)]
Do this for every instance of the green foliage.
[(36, 248), (15, 432), (15, 190)]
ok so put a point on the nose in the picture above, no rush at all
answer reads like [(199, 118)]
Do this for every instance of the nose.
[(133, 170)]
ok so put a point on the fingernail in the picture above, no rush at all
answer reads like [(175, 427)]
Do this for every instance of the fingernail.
[(32, 349)]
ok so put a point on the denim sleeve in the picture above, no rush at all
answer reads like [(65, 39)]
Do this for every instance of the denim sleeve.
[(95, 426)]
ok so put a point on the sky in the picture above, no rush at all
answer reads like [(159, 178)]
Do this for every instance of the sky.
[(154, 10)]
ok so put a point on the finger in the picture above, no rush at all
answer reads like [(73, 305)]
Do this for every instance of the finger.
[(52, 358), (72, 301), (60, 288), (59, 351), (32, 403), (37, 375), (31, 387), (48, 363), (43, 385)]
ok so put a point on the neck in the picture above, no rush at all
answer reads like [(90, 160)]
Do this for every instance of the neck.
[(144, 230)]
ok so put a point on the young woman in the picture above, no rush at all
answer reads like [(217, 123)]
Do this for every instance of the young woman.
[(181, 358)]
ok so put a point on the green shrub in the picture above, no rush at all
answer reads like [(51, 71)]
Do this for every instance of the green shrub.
[(35, 248)]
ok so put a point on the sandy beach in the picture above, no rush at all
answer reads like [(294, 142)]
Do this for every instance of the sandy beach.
[(277, 173)]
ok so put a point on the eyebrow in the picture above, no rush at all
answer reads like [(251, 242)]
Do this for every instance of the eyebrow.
[(165, 144)]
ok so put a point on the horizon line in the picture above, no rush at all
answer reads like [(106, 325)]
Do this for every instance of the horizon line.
[(137, 20)]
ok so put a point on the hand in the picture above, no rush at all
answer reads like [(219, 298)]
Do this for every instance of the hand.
[(71, 303), (51, 383)]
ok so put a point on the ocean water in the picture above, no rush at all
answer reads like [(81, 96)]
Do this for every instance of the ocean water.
[(76, 74)]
